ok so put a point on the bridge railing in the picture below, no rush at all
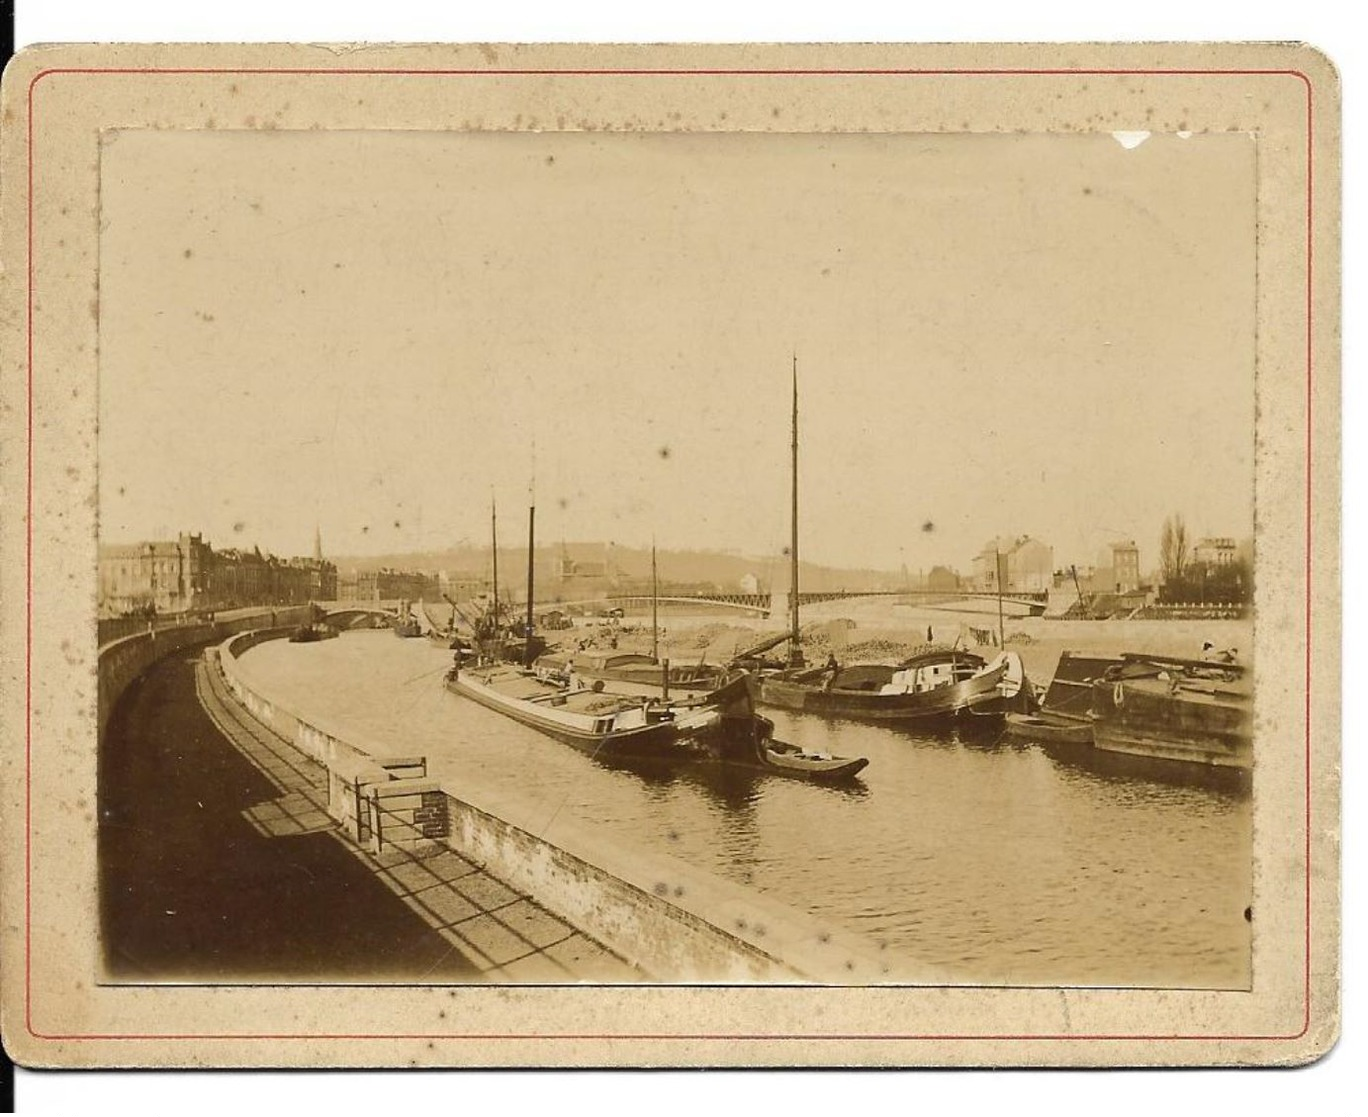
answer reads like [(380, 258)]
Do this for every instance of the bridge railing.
[(764, 601)]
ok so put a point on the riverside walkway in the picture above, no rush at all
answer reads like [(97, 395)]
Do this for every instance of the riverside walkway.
[(218, 861)]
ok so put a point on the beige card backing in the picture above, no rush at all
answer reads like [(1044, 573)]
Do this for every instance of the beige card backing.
[(58, 103)]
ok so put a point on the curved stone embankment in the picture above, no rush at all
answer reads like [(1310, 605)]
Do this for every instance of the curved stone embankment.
[(673, 921), (123, 660)]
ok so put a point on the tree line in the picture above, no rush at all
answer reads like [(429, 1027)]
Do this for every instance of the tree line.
[(1184, 580)]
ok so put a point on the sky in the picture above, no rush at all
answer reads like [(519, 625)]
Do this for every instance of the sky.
[(996, 334)]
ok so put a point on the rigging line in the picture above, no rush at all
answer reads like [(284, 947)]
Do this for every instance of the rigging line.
[(424, 675)]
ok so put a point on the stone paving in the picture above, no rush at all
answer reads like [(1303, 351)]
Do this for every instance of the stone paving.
[(504, 935)]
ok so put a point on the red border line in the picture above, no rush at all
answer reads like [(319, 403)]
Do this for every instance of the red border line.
[(1310, 259), (474, 71), (796, 72)]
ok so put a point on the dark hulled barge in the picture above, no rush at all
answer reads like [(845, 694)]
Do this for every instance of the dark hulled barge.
[(932, 684), (1175, 709), (1167, 708)]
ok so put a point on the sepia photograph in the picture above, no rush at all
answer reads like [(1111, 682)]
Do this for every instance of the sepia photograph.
[(673, 551), (744, 501)]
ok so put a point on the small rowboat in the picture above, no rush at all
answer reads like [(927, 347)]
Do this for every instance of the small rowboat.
[(1051, 728), (311, 633), (783, 759), (745, 739)]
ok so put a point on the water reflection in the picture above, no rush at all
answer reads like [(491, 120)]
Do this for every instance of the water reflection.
[(1123, 768), (730, 787)]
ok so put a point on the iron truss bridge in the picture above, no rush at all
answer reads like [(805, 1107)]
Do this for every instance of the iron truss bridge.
[(1032, 603)]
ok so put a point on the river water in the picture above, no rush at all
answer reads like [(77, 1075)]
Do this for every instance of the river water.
[(999, 862)]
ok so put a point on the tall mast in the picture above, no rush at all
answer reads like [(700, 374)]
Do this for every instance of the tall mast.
[(793, 541), (494, 534), (531, 551), (655, 600)]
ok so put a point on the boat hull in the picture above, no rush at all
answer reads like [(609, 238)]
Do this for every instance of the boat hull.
[(835, 769), (680, 679), (311, 634), (1050, 728), (721, 729), (1148, 718), (634, 670), (981, 695), (652, 741)]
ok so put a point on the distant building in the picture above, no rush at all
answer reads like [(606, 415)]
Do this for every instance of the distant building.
[(321, 575), (587, 570), (571, 568), (1118, 568), (942, 579), (1216, 551), (396, 585), (187, 574), (461, 586), (1074, 578), (750, 583), (169, 576), (1025, 565)]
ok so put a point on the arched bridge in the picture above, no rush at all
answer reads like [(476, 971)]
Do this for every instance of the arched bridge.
[(361, 616)]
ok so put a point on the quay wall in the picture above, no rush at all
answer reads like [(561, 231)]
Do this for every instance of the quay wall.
[(125, 659), (671, 920)]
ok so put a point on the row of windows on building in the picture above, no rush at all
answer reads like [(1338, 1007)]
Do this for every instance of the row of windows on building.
[(186, 574)]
